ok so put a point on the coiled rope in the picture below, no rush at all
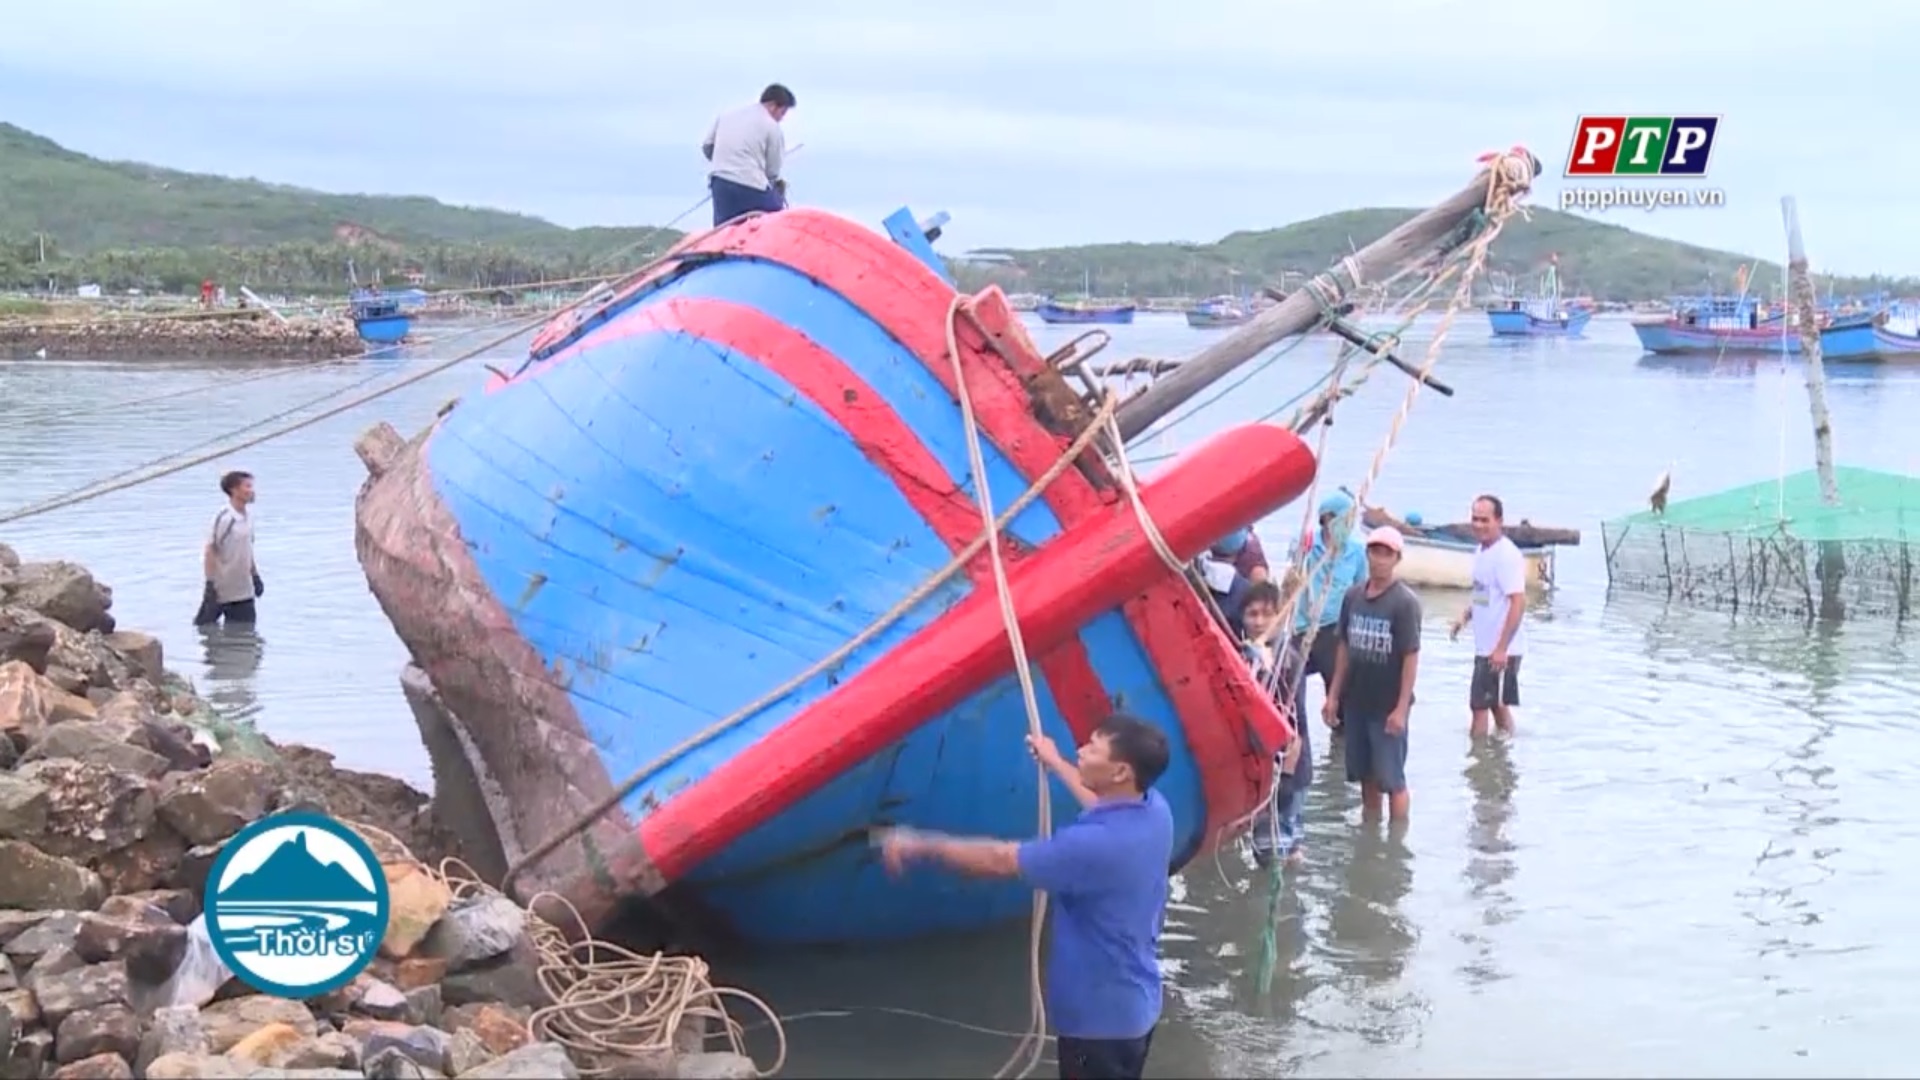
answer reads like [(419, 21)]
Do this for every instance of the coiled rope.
[(610, 1006)]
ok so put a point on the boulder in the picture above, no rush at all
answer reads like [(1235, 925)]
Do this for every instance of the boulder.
[(228, 1022), (112, 742), (92, 987), (108, 1066), (106, 1029), (92, 808), (23, 808), (65, 592), (25, 637), (208, 807), (174, 1030), (537, 1061), (476, 929), (142, 653), (34, 879), (30, 701)]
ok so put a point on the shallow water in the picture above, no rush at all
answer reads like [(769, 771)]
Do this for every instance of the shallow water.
[(1689, 862)]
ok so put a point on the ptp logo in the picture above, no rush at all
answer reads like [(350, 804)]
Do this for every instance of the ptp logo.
[(1642, 145)]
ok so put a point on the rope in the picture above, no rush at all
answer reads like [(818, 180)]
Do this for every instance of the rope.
[(826, 663), (608, 1005), (1026, 1056)]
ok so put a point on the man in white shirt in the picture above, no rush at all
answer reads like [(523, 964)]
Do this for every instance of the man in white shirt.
[(232, 576), (746, 146), (1498, 614)]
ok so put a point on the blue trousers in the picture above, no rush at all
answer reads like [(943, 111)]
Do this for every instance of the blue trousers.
[(732, 200)]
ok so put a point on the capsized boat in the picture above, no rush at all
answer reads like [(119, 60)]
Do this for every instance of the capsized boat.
[(701, 486), (1441, 556)]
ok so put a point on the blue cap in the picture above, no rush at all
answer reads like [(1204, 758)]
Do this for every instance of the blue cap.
[(1414, 518), (1233, 542), (1337, 504)]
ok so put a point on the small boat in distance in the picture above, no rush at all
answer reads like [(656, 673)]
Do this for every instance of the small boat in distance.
[(1441, 556), (1889, 332), (1542, 315), (1218, 311), (1719, 324), (1084, 311), (378, 317)]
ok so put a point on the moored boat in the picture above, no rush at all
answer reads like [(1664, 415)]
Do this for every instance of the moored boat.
[(379, 317), (1084, 312), (1542, 315), (1441, 556), (1217, 312), (1718, 324), (1871, 336)]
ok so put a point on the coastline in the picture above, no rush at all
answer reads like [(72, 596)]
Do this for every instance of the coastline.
[(119, 787), (245, 334)]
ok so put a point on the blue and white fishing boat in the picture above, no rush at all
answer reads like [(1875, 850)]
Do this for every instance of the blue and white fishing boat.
[(1543, 315), (379, 317), (1886, 333), (1219, 311)]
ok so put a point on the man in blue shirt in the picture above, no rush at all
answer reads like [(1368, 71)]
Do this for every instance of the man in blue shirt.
[(1107, 876), (1335, 563)]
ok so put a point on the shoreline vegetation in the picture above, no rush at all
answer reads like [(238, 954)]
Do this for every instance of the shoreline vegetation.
[(139, 231)]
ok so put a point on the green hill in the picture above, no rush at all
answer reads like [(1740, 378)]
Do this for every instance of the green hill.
[(1605, 261), (71, 218)]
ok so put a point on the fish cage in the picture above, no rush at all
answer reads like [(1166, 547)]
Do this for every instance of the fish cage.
[(1777, 547)]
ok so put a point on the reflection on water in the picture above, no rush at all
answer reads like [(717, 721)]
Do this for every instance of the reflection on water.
[(1695, 858)]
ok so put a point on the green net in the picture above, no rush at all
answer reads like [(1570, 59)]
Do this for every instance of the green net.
[(1777, 546)]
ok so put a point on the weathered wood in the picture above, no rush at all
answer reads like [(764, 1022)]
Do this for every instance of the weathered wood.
[(1831, 562), (1525, 534), (1300, 312)]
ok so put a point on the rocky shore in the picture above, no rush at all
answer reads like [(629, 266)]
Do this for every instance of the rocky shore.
[(250, 334), (118, 788)]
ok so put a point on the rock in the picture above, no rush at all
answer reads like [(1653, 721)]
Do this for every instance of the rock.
[(269, 1045), (150, 948), (425, 1046), (512, 979), (142, 652), (381, 1001), (476, 929), (26, 638), (228, 1022), (417, 971), (466, 1052), (114, 743), (329, 1050), (15, 923), (156, 906), (32, 1052), (65, 592), (417, 900), (392, 1063), (25, 706), (174, 1030), (56, 930), (92, 809), (92, 987), (23, 808), (715, 1066), (9, 558), (146, 864), (32, 878), (537, 1061), (497, 1028), (208, 807), (192, 1067), (97, 1067), (109, 1029), (424, 1006)]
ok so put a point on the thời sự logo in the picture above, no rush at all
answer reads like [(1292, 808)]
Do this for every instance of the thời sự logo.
[(296, 905)]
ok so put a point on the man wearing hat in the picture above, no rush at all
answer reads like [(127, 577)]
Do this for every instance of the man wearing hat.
[(1374, 668)]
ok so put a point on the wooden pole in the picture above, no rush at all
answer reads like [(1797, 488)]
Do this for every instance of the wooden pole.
[(1301, 311), (1830, 566)]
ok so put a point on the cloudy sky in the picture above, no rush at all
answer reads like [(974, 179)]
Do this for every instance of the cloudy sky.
[(1032, 123)]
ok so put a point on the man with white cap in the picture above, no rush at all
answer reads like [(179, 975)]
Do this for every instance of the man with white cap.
[(1373, 675)]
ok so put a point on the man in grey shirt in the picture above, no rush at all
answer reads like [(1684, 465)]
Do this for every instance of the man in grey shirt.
[(746, 146), (1374, 670), (233, 579)]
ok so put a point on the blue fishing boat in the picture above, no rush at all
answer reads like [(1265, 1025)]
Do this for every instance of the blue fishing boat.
[(1218, 311), (689, 586), (379, 317), (1886, 333), (1719, 324), (1542, 315), (1082, 311)]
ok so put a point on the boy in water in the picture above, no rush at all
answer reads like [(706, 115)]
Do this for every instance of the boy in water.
[(1276, 665)]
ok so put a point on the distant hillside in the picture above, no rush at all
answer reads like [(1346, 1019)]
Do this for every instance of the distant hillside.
[(128, 225), (1608, 262)]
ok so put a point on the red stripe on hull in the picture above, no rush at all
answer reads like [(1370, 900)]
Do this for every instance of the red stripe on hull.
[(1089, 569)]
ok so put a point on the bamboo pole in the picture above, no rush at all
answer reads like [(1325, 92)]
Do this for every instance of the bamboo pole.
[(1805, 309), (1301, 311)]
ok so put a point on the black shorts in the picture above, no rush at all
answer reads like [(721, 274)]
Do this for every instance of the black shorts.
[(1491, 688), (1103, 1059)]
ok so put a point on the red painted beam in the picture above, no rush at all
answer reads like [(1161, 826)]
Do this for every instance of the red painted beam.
[(1236, 477)]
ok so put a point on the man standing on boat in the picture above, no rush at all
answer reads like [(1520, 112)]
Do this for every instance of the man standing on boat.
[(746, 147), (1373, 675), (1497, 610), (1107, 876)]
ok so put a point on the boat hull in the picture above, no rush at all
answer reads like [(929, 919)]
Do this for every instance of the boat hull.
[(701, 490), (1527, 324), (1432, 563), (1113, 316), (384, 330), (1671, 336), (1206, 320), (1861, 340)]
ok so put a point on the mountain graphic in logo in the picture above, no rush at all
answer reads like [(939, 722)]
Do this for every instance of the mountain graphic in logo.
[(292, 874)]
